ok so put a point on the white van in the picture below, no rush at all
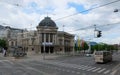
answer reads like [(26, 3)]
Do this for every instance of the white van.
[(102, 56)]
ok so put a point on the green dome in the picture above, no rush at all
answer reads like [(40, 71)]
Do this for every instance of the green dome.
[(47, 22)]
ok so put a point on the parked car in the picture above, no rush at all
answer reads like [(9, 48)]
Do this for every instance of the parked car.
[(19, 52), (89, 55)]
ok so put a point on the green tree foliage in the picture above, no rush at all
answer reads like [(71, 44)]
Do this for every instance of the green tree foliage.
[(102, 46), (3, 43), (85, 46)]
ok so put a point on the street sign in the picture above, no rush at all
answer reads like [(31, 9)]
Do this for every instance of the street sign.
[(47, 43)]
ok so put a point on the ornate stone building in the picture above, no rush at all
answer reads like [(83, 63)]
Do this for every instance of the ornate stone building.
[(46, 39)]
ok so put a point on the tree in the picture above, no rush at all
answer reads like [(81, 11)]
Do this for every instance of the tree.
[(99, 47), (3, 43), (84, 46)]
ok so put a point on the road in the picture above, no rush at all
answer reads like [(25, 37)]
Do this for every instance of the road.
[(65, 65)]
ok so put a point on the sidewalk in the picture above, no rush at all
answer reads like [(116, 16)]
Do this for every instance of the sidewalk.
[(32, 56)]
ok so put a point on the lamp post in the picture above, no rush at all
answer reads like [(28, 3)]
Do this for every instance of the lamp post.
[(95, 31), (89, 50), (63, 41)]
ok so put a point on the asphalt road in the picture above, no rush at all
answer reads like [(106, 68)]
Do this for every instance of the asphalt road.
[(66, 65), (8, 67)]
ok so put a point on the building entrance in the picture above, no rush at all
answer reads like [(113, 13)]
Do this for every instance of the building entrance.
[(48, 49)]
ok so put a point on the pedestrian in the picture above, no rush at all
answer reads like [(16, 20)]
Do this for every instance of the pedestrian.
[(4, 52)]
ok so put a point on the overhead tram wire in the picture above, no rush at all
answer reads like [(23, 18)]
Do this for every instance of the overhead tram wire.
[(83, 10), (87, 10), (92, 26)]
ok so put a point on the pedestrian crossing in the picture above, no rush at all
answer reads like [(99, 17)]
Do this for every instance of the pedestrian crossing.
[(106, 72), (99, 70), (81, 67)]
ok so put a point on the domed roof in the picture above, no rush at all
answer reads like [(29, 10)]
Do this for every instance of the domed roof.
[(47, 22)]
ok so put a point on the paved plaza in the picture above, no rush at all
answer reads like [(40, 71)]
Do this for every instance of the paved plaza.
[(34, 64)]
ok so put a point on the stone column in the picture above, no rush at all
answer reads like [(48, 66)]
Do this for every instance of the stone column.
[(44, 42), (49, 41), (56, 49), (54, 42), (39, 42), (55, 39)]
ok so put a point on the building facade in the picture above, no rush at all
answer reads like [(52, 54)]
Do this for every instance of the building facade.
[(46, 39)]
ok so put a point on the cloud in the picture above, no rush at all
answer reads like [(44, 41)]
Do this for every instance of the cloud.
[(31, 12)]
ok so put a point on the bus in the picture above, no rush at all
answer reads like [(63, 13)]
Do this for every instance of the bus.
[(102, 56)]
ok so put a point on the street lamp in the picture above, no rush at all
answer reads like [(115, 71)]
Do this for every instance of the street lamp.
[(63, 40), (89, 44)]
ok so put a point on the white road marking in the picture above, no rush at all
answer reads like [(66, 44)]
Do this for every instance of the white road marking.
[(96, 69), (10, 62), (34, 69), (86, 68), (82, 67), (113, 73), (101, 70), (106, 71), (91, 68)]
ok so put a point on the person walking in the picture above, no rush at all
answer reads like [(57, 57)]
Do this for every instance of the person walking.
[(4, 52)]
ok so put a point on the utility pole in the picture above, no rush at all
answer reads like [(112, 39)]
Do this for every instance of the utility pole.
[(89, 50), (63, 40), (95, 27), (95, 31)]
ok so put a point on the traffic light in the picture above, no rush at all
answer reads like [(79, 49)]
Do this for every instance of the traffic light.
[(99, 34), (116, 10)]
